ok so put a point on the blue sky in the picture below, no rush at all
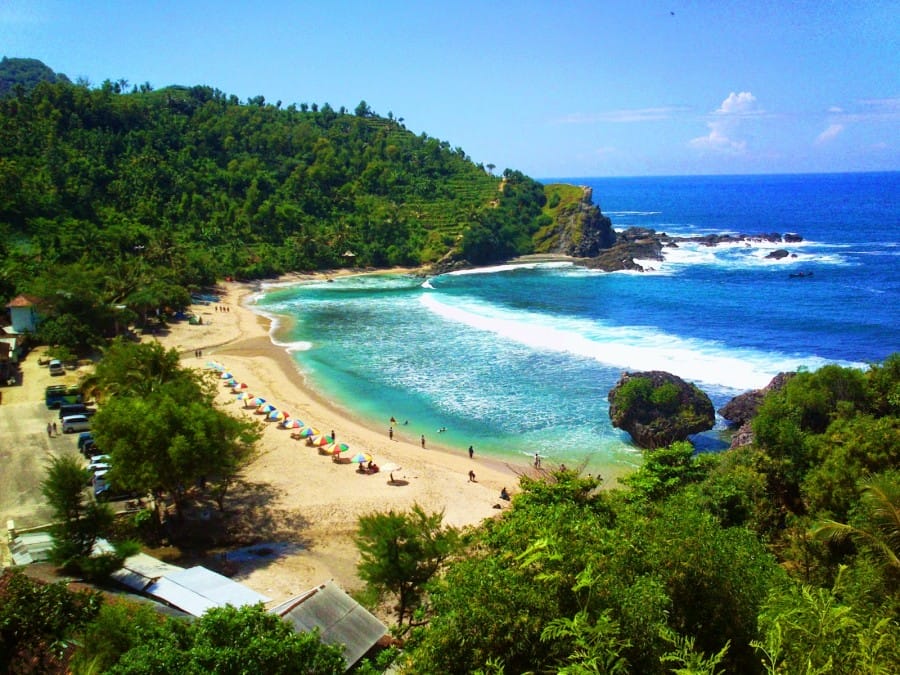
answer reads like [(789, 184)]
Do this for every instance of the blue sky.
[(554, 89)]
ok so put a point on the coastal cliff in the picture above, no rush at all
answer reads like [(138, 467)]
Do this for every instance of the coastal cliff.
[(578, 228)]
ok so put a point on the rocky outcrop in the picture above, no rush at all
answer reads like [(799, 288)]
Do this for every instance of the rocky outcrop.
[(580, 230), (741, 410), (644, 244), (631, 245), (658, 408)]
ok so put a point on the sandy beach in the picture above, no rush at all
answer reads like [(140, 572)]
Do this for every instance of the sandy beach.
[(312, 502)]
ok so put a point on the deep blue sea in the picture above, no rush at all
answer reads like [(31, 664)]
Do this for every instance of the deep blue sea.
[(519, 359)]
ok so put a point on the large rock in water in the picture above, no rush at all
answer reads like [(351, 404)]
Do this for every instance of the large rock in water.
[(741, 410), (659, 408)]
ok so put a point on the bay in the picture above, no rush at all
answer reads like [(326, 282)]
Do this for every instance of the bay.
[(518, 359)]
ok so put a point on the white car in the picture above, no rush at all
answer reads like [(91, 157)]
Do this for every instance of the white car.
[(75, 423)]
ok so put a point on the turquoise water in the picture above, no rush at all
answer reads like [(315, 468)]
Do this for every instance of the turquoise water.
[(519, 359)]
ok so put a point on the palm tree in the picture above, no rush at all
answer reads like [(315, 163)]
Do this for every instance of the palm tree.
[(880, 526)]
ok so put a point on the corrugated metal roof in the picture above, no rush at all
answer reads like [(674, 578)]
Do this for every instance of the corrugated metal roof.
[(339, 618), (197, 589), (31, 547), (140, 570)]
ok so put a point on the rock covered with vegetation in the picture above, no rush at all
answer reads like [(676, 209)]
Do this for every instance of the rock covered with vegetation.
[(741, 410), (658, 408), (575, 226)]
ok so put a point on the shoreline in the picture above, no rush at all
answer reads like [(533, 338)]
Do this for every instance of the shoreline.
[(315, 501)]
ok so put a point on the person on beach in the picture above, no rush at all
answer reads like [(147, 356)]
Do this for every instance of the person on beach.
[(49, 430), (423, 441), (333, 437), (471, 452), (391, 433), (393, 420), (537, 461), (54, 428), (504, 494), (472, 476)]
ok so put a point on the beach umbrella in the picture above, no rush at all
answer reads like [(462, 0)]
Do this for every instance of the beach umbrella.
[(230, 383), (338, 448), (226, 376), (321, 441), (258, 400), (265, 409), (361, 458), (239, 386), (306, 432), (390, 467), (244, 395), (212, 365), (277, 415), (292, 424)]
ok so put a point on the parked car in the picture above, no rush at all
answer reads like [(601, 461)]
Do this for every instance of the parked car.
[(85, 438), (75, 423), (67, 409), (99, 463), (56, 367)]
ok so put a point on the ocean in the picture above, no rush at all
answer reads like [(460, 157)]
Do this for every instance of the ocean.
[(518, 359)]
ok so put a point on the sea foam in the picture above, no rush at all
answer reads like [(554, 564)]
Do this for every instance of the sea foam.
[(625, 347)]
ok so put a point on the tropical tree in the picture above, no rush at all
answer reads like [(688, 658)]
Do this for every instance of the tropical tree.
[(400, 552), (79, 521), (231, 641), (39, 621), (171, 439), (876, 526)]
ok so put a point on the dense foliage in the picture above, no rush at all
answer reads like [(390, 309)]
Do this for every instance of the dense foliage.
[(160, 427), (38, 623), (776, 558), (113, 199)]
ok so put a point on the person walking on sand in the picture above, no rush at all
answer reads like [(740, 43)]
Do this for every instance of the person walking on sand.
[(471, 452), (391, 433), (537, 461), (423, 441), (472, 476), (54, 428), (49, 430)]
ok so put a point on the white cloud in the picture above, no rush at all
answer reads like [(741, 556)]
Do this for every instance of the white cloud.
[(624, 116), (832, 132), (743, 103), (724, 126)]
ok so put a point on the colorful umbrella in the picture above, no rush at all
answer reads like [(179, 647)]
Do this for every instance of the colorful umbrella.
[(257, 400), (338, 448), (306, 432), (244, 395), (292, 424), (230, 383), (212, 365), (276, 415), (226, 376), (265, 409), (361, 458), (322, 440), (239, 386)]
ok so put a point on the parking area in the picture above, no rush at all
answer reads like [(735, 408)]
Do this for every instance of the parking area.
[(25, 445)]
